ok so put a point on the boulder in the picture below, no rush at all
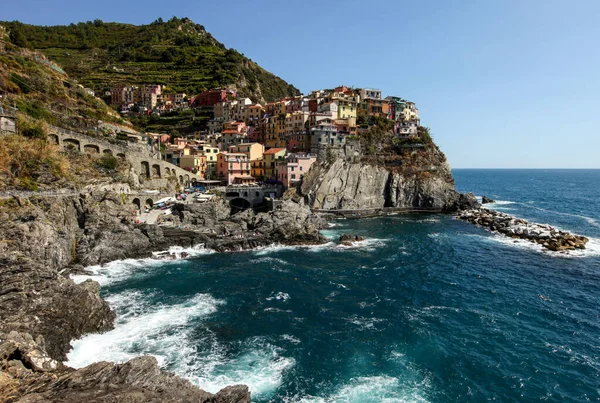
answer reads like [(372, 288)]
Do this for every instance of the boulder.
[(486, 200), (348, 240)]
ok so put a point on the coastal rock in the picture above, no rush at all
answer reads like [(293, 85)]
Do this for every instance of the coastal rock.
[(517, 228), (348, 240), (486, 200), (349, 185), (138, 380)]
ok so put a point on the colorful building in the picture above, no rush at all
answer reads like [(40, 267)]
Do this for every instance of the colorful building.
[(194, 163), (271, 157), (254, 151), (291, 170), (232, 165)]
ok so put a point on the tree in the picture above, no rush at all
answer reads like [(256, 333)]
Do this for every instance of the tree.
[(17, 37), (167, 56)]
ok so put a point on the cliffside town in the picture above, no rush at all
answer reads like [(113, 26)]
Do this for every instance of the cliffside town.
[(244, 142)]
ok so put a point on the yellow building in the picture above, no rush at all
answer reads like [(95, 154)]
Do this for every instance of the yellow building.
[(347, 104), (194, 163), (281, 119), (271, 157), (258, 168), (270, 131), (254, 151)]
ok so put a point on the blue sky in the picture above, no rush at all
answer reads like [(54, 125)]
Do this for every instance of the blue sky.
[(502, 84)]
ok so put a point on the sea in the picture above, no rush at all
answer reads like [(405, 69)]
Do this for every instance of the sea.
[(427, 309)]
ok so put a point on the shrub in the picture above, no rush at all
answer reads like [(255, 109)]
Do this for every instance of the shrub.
[(108, 161)]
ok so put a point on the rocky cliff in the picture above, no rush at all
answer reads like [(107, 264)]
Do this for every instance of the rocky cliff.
[(42, 310), (418, 179)]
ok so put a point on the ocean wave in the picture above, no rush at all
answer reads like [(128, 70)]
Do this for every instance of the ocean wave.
[(167, 333), (120, 270), (275, 248), (290, 338), (279, 296), (260, 365), (372, 389), (143, 329), (117, 271), (364, 323), (369, 244)]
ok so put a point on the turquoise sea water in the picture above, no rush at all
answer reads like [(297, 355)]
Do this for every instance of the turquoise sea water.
[(427, 309)]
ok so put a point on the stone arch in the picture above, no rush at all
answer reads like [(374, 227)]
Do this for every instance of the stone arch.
[(239, 204), (121, 155), (145, 169), (55, 138), (91, 149), (167, 171), (187, 178), (156, 171), (180, 179), (149, 203), (68, 143), (108, 151), (136, 202)]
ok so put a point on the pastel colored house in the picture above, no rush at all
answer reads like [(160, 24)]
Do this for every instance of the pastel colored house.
[(231, 166), (291, 170), (194, 163), (271, 157), (254, 151)]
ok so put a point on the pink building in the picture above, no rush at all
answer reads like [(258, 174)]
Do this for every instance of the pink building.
[(233, 167), (291, 170)]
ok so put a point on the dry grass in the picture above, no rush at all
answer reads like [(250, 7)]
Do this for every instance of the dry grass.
[(23, 160)]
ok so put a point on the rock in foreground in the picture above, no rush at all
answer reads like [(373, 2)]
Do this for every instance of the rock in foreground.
[(138, 380), (517, 228)]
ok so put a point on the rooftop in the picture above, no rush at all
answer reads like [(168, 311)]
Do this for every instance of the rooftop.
[(274, 151)]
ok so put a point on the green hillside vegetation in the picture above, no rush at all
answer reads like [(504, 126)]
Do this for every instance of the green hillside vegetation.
[(43, 95), (178, 54)]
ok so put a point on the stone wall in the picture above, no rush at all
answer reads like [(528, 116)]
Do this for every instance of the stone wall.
[(140, 156)]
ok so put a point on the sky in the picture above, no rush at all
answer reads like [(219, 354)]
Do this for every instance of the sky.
[(501, 84)]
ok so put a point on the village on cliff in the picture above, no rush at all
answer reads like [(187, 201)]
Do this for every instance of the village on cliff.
[(246, 142)]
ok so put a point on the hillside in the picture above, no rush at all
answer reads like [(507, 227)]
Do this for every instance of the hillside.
[(44, 94), (178, 53)]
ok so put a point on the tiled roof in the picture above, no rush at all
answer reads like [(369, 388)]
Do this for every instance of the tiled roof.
[(274, 150)]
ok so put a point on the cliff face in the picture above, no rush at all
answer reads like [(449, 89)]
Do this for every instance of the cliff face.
[(421, 179)]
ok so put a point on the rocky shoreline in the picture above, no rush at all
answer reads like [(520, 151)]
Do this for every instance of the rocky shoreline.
[(517, 228), (42, 310)]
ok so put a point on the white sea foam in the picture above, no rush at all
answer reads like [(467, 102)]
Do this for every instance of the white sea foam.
[(279, 296), (260, 366), (267, 250), (119, 270), (369, 244), (372, 389), (164, 332), (290, 338), (142, 329), (364, 323)]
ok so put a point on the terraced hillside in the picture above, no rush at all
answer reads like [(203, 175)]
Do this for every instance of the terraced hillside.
[(178, 53)]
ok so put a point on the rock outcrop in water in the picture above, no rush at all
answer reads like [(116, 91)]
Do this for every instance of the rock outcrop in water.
[(420, 181), (42, 310), (348, 240), (542, 234)]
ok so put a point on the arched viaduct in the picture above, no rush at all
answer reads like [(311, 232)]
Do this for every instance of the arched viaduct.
[(140, 156)]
